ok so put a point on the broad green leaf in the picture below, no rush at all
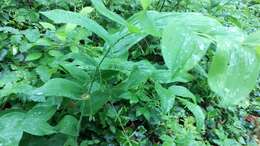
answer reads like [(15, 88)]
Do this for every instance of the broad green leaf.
[(234, 68), (35, 121), (183, 92), (13, 124), (197, 112), (184, 44), (10, 128), (60, 87), (61, 16), (101, 8), (68, 125), (37, 127), (166, 98)]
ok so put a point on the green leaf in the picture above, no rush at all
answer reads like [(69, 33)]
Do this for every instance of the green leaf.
[(10, 129), (197, 112), (76, 72), (148, 24), (234, 68), (35, 120), (32, 34), (61, 16), (47, 25), (33, 56), (158, 19), (135, 79), (68, 125), (43, 72), (101, 8), (95, 102), (145, 3), (13, 124), (55, 53), (166, 98), (143, 111), (17, 88), (84, 58), (60, 87), (183, 92), (184, 44), (253, 39)]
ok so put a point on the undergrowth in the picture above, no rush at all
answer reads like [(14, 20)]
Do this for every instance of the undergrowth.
[(129, 72)]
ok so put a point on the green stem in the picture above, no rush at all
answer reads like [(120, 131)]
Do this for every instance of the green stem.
[(83, 105)]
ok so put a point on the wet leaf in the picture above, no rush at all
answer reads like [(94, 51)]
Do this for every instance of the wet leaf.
[(60, 87), (13, 124), (183, 44), (234, 69), (10, 130)]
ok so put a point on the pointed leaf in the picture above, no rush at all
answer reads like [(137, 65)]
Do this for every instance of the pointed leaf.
[(61, 16), (166, 98), (183, 92), (43, 72), (35, 121), (60, 87), (76, 72), (101, 8), (197, 112)]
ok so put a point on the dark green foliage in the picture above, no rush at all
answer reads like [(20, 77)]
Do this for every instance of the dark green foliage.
[(129, 72)]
